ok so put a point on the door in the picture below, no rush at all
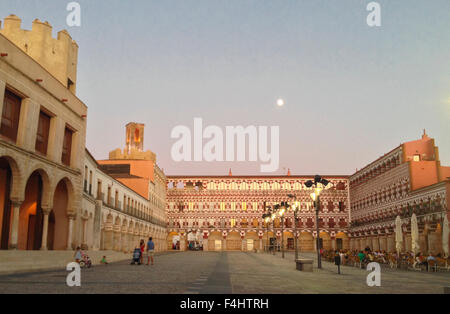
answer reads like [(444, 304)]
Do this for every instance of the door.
[(218, 245), (250, 244), (5, 184), (290, 243), (339, 245)]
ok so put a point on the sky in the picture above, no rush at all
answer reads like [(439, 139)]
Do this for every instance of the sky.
[(352, 92)]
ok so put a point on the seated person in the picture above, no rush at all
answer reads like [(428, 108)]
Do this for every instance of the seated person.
[(361, 256), (103, 261)]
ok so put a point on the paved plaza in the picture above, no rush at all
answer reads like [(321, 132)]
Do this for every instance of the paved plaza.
[(223, 272)]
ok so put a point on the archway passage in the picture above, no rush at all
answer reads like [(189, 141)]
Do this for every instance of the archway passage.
[(306, 242), (215, 241), (5, 202), (234, 242), (31, 215), (58, 230)]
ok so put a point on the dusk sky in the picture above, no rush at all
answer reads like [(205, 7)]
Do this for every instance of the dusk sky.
[(352, 92)]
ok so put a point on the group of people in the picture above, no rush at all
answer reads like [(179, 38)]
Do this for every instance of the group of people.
[(83, 259), (149, 249), (367, 256)]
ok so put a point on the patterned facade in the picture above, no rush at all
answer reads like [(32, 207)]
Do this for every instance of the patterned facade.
[(53, 194), (227, 211), (409, 179)]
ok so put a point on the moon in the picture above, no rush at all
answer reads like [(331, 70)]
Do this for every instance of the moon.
[(280, 102)]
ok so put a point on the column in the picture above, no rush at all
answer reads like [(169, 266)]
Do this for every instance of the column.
[(243, 246), (125, 242), (205, 244), (131, 241), (182, 243), (333, 243), (69, 236), (45, 229), (15, 225), (260, 244), (84, 221), (97, 225), (224, 244)]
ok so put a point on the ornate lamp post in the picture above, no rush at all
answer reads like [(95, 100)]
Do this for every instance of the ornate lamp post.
[(281, 210), (315, 196), (281, 213), (295, 208), (267, 217)]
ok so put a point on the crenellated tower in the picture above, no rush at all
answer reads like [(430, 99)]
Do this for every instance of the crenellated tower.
[(59, 56)]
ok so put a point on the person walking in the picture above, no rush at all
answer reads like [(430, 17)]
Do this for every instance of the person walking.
[(337, 261), (150, 250), (142, 247), (77, 256)]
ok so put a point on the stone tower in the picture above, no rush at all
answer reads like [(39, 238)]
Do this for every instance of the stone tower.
[(134, 137), (59, 56), (134, 145)]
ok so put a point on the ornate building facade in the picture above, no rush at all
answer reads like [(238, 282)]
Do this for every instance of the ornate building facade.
[(226, 211), (53, 193), (141, 211), (42, 136), (407, 180)]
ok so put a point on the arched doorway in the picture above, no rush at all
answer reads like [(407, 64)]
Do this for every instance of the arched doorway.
[(173, 241), (30, 214), (288, 240), (5, 202), (325, 240), (61, 220), (234, 242), (51, 231), (215, 241), (252, 241), (342, 241), (306, 242)]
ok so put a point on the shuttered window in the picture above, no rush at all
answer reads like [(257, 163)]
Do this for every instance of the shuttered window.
[(10, 115), (42, 133)]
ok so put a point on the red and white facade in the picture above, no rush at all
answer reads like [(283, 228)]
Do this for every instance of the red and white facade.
[(227, 211), (409, 179)]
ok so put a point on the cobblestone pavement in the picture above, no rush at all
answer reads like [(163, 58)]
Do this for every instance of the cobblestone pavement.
[(227, 272)]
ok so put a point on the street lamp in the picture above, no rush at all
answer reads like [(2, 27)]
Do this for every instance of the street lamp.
[(296, 208), (267, 217), (315, 196), (281, 213)]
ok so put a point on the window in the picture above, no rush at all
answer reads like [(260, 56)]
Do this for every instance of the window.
[(244, 205), (67, 147), (233, 205), (99, 190), (232, 222), (416, 157), (10, 115), (85, 178), (108, 200), (90, 182), (42, 134), (222, 206), (70, 85)]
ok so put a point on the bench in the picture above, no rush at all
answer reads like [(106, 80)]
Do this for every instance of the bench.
[(304, 264)]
